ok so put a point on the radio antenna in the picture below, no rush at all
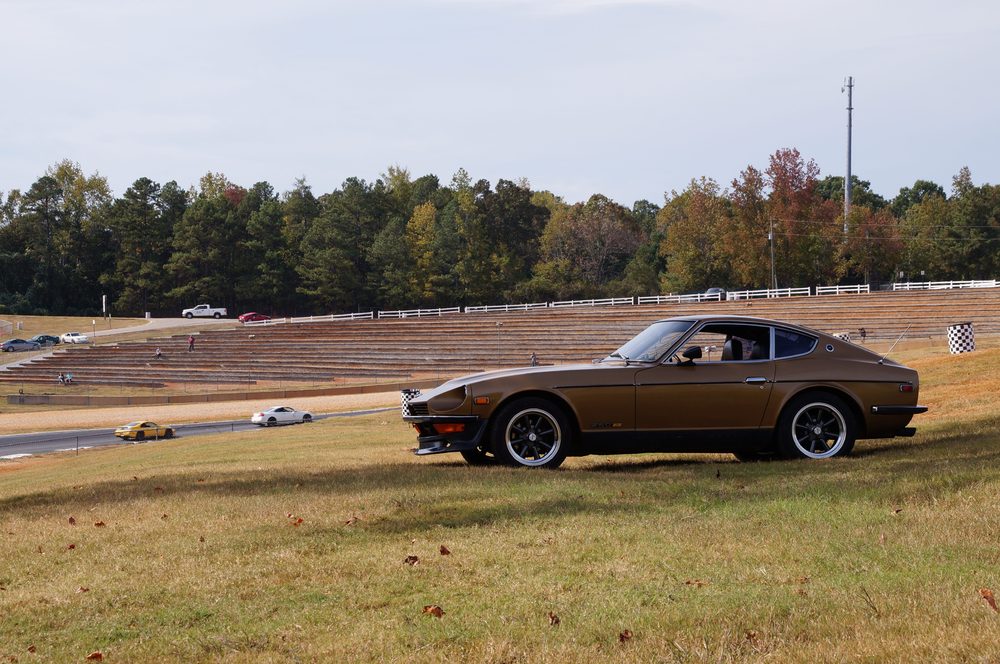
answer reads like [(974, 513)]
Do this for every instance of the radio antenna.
[(882, 359)]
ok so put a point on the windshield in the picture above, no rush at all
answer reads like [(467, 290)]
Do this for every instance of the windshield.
[(650, 344)]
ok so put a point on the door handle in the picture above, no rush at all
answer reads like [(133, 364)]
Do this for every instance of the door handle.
[(755, 380)]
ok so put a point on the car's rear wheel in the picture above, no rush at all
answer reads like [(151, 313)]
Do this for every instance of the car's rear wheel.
[(307, 418), (816, 426), (217, 314), (271, 421), (531, 432), (479, 456)]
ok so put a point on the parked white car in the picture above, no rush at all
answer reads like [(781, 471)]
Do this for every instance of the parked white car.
[(204, 311), (74, 338), (280, 415)]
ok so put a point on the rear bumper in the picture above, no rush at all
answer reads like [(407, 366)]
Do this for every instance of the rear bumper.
[(429, 441), (898, 410)]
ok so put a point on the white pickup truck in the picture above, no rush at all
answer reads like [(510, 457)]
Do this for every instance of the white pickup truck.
[(204, 310)]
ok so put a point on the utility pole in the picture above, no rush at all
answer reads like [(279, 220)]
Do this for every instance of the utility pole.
[(847, 180), (770, 241)]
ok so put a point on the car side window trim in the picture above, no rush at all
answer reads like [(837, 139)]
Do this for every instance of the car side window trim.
[(774, 350)]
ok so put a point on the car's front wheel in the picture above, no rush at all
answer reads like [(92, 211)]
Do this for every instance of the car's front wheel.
[(531, 432), (140, 435), (816, 426)]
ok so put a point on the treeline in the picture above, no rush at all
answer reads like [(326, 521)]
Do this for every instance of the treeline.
[(404, 242)]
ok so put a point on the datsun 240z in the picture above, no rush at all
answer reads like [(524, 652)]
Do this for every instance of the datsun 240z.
[(752, 387)]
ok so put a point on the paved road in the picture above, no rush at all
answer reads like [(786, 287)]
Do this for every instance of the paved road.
[(29, 444)]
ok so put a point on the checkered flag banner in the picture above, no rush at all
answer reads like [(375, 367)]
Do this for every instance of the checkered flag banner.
[(961, 338), (843, 336), (405, 396)]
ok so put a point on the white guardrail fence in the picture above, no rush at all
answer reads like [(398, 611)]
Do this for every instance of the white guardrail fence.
[(645, 299)]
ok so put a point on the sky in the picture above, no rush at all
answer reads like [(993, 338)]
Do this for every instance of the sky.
[(627, 98)]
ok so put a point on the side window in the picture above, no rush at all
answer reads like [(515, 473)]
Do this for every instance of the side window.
[(726, 342), (790, 344)]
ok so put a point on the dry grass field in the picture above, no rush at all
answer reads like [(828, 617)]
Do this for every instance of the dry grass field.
[(331, 542)]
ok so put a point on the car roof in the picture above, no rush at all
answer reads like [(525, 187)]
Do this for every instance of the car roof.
[(722, 318)]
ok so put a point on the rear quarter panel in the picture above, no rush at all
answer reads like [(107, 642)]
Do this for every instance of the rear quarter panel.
[(854, 374)]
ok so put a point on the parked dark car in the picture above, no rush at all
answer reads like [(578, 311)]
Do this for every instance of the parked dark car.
[(44, 339), (752, 387), (18, 344)]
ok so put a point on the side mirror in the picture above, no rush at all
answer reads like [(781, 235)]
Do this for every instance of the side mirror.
[(692, 353)]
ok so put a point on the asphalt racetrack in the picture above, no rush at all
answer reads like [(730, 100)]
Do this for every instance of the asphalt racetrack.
[(29, 444)]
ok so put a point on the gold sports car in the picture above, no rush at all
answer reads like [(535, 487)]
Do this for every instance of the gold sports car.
[(753, 387), (143, 430)]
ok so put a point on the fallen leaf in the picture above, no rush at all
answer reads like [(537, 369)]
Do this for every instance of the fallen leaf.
[(553, 619), (96, 656), (434, 610), (289, 515), (353, 520), (881, 539), (40, 549), (201, 539), (164, 516), (698, 583), (83, 589), (201, 479), (897, 510), (803, 579), (32, 648), (411, 560), (297, 522), (72, 521), (751, 636), (445, 551), (987, 594), (99, 524), (624, 636), (71, 547), (157, 488), (135, 479)]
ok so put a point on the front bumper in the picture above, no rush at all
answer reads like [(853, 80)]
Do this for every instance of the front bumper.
[(431, 441)]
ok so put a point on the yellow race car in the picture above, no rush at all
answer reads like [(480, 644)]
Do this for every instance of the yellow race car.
[(143, 430)]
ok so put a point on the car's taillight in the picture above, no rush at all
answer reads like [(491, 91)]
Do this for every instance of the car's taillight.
[(905, 387)]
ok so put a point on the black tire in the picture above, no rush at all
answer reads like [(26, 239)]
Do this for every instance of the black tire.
[(307, 418), (271, 422), (169, 433), (479, 457), (530, 432), (140, 435), (189, 315), (816, 426), (218, 315)]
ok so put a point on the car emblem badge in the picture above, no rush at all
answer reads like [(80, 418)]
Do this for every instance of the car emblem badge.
[(817, 430), (532, 437)]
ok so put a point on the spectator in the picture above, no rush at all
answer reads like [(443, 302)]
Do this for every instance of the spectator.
[(61, 378), (863, 333), (533, 360), (190, 343), (69, 378), (158, 354)]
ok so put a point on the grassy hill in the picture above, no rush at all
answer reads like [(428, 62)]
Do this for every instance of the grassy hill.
[(324, 542)]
